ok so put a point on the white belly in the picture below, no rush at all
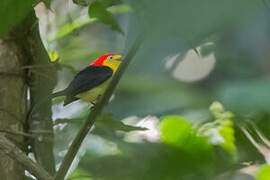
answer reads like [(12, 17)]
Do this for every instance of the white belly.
[(94, 94)]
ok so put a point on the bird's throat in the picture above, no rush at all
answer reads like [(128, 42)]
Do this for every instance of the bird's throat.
[(112, 64)]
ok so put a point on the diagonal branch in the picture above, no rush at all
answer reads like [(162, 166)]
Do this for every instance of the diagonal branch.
[(69, 157), (14, 152)]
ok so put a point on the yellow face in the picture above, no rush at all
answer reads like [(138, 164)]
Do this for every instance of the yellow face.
[(113, 62)]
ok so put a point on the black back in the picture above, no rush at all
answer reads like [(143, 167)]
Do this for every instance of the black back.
[(87, 79)]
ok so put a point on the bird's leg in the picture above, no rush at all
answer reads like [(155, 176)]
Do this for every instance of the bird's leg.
[(95, 103), (93, 106)]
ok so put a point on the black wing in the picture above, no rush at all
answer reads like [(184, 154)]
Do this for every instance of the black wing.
[(87, 79)]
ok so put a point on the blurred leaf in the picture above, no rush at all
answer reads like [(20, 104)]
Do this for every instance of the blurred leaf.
[(264, 173), (179, 132), (158, 94), (79, 174), (98, 10), (175, 130), (53, 55), (220, 132), (107, 124), (68, 120), (12, 12), (247, 97), (85, 20), (81, 2), (149, 161), (118, 9)]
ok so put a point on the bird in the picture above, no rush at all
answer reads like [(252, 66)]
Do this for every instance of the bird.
[(91, 82)]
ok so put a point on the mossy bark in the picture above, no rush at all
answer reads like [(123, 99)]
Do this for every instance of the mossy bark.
[(25, 65), (13, 89)]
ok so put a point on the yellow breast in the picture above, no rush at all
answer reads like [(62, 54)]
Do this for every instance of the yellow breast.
[(94, 94)]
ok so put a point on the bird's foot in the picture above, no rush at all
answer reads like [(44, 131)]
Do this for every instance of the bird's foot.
[(93, 106)]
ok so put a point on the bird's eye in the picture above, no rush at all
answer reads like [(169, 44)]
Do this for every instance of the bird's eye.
[(110, 57)]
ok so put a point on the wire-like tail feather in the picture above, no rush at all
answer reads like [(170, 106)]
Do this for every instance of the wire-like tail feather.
[(56, 94)]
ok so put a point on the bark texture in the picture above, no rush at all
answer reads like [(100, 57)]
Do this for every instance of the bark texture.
[(13, 89), (25, 65), (15, 153)]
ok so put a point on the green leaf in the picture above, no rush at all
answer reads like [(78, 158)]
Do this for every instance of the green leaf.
[(220, 132), (264, 173), (178, 132), (12, 12), (53, 55), (82, 21), (79, 174), (175, 130), (107, 124), (99, 10), (58, 100), (80, 2), (67, 120), (234, 94)]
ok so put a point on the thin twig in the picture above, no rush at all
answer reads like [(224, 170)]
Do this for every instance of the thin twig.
[(72, 151), (33, 135), (46, 76), (14, 74), (15, 153), (18, 133), (62, 121), (44, 66)]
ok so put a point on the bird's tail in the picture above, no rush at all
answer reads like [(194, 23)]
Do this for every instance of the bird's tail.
[(56, 94)]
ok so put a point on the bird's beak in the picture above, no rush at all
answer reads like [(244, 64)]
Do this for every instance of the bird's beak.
[(118, 57)]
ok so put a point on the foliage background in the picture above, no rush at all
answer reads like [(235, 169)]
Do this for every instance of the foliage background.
[(193, 53)]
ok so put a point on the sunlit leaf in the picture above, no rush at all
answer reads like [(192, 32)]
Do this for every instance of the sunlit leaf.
[(79, 174), (179, 132), (99, 10), (53, 55), (176, 130), (220, 132), (264, 173), (58, 100)]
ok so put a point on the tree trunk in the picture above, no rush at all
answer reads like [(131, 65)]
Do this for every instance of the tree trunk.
[(25, 65), (13, 89)]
